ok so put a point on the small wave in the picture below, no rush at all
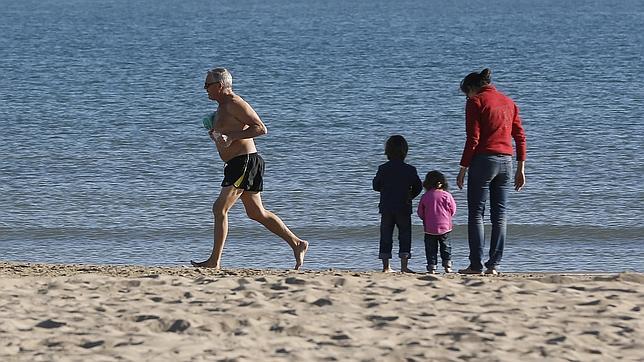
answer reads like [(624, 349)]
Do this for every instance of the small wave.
[(340, 233)]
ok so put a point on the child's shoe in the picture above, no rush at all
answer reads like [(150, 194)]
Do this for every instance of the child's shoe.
[(448, 266), (431, 269)]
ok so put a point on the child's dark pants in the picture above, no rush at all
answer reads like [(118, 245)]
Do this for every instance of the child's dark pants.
[(431, 248), (389, 220)]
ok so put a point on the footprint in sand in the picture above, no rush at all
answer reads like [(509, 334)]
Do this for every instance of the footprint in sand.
[(322, 302), (242, 283), (592, 333), (445, 297), (49, 324), (379, 318), (298, 331), (202, 281), (591, 303), (52, 344), (131, 283), (145, 317), (556, 340), (279, 287), (429, 278), (92, 344), (178, 325), (129, 342), (294, 281), (340, 337)]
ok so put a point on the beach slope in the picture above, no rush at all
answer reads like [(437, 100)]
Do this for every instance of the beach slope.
[(134, 313)]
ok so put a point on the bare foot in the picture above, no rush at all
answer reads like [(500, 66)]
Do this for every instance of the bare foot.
[(299, 253), (388, 270), (407, 270), (205, 264)]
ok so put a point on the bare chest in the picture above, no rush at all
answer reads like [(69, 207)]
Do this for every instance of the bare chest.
[(225, 121)]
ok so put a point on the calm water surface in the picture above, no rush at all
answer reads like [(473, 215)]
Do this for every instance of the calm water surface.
[(103, 159)]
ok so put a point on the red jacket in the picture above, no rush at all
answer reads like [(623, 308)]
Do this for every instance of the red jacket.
[(491, 121)]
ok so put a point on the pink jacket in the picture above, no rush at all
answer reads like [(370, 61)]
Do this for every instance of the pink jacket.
[(436, 209)]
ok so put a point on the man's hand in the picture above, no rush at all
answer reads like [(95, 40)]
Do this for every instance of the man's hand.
[(224, 140), (460, 179), (220, 138)]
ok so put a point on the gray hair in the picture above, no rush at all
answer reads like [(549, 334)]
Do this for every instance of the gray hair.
[(221, 75)]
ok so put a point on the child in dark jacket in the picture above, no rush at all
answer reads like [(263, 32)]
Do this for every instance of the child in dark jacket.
[(398, 184)]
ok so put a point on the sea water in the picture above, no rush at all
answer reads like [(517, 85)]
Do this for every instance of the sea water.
[(103, 157)]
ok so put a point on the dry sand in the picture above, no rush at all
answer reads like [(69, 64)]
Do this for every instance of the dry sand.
[(107, 313)]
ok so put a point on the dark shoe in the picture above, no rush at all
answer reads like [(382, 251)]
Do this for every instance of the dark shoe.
[(491, 271), (431, 269), (448, 267), (470, 271)]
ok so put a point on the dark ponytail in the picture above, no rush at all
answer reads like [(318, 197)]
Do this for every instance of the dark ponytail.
[(435, 180), (476, 80)]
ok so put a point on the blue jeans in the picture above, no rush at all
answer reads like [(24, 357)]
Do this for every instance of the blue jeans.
[(488, 174), (389, 220), (432, 243)]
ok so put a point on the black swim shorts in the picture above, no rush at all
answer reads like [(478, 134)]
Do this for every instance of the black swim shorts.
[(245, 172)]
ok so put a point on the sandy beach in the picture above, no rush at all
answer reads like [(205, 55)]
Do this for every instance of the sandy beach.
[(104, 313)]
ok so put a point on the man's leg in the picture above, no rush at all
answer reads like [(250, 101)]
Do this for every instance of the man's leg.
[(255, 210), (227, 198)]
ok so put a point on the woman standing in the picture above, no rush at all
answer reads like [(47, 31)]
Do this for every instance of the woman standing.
[(491, 122)]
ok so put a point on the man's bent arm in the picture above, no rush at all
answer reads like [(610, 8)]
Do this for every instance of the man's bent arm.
[(250, 132), (245, 114)]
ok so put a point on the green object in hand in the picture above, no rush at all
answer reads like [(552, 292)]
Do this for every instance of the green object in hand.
[(208, 121)]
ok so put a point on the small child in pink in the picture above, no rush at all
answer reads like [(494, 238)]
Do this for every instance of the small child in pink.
[(436, 209)]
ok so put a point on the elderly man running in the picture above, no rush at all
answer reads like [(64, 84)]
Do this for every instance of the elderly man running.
[(235, 124)]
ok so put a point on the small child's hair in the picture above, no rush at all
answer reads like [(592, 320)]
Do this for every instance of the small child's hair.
[(396, 148), (435, 180)]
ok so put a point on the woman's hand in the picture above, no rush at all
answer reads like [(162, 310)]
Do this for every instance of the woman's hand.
[(519, 176), (460, 179)]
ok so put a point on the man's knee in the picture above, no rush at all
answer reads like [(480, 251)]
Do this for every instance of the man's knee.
[(218, 208), (256, 214)]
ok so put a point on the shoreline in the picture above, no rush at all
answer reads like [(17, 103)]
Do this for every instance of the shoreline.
[(19, 268), (107, 312)]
